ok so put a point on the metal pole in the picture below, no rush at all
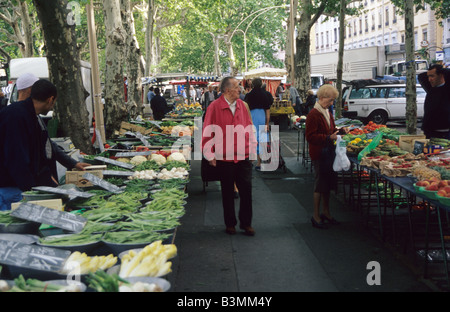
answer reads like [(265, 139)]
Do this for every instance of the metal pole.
[(98, 106), (292, 33)]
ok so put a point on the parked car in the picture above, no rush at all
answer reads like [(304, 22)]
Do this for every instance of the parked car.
[(379, 101)]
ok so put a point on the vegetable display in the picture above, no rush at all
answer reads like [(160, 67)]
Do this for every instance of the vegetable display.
[(134, 237), (150, 261), (83, 264), (6, 218), (34, 285)]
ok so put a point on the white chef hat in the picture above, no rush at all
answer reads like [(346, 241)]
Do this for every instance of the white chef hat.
[(25, 81)]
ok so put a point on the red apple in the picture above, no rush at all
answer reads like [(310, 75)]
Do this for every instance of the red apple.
[(442, 193), (432, 187), (447, 189), (442, 183)]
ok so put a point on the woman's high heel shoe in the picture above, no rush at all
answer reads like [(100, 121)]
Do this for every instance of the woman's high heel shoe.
[(319, 225), (332, 221)]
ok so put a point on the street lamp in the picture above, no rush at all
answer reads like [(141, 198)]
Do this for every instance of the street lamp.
[(261, 12)]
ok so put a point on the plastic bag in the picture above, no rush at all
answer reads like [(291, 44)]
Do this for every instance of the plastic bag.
[(341, 161)]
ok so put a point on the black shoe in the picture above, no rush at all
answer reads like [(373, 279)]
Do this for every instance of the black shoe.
[(231, 230), (236, 194), (332, 221), (319, 225), (248, 230)]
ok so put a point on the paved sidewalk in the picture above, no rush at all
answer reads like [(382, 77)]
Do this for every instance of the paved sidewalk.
[(287, 254)]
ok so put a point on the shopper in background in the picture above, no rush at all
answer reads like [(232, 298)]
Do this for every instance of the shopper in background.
[(321, 133), (23, 85), (259, 104), (294, 97), (227, 120), (209, 97), (3, 100), (436, 118), (28, 156), (269, 95), (280, 91), (310, 102), (150, 94), (159, 105)]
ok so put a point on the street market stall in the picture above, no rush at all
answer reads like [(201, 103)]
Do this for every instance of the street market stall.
[(113, 225), (281, 109), (398, 182)]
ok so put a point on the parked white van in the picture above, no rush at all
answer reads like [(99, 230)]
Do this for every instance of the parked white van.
[(379, 101), (38, 66)]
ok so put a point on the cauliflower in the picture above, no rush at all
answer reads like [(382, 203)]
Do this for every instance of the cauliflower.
[(177, 156), (137, 160), (159, 159)]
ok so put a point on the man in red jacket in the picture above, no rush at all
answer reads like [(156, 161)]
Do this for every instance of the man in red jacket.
[(228, 143)]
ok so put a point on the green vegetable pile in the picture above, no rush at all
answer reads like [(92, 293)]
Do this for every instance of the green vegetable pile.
[(104, 282), (6, 218), (33, 285), (134, 237)]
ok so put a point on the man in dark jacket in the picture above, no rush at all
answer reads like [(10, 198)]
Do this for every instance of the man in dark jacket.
[(28, 156), (159, 105), (436, 119)]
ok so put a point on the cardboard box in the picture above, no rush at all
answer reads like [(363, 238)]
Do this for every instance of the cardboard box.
[(76, 177), (406, 142), (126, 126)]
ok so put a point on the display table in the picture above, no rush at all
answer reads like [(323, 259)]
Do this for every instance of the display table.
[(302, 145), (362, 174)]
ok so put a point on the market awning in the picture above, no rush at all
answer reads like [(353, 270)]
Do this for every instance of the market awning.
[(265, 72), (183, 82), (193, 78)]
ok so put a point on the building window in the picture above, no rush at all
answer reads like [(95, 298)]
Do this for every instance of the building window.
[(367, 24), (403, 38), (373, 22), (416, 39), (387, 17), (394, 15), (360, 26), (425, 34), (380, 19), (317, 41), (335, 35)]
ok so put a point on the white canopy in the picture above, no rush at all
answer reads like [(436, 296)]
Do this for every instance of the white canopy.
[(265, 72)]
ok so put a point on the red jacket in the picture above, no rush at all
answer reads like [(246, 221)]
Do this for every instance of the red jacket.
[(317, 131), (220, 127)]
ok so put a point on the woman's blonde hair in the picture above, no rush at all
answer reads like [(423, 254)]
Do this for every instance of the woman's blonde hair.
[(327, 91)]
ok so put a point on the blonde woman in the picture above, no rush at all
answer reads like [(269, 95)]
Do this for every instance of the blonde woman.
[(320, 132)]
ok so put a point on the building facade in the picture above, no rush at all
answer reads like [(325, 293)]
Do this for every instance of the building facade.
[(380, 24)]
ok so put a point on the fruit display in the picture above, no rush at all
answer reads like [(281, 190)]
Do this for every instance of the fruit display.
[(425, 173), (183, 110)]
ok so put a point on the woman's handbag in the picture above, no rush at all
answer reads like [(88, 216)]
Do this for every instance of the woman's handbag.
[(328, 154)]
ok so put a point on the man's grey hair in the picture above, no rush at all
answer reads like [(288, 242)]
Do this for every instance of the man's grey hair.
[(225, 84)]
